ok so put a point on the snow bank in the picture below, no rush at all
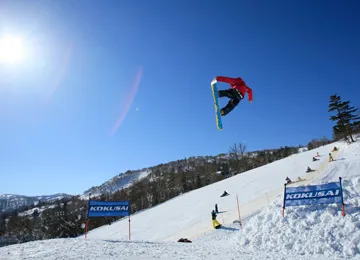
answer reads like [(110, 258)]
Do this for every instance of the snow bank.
[(316, 229), (307, 230)]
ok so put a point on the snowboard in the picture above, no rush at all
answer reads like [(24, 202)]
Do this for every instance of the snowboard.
[(218, 226), (216, 104)]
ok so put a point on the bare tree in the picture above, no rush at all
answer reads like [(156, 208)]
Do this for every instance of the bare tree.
[(237, 151), (237, 156)]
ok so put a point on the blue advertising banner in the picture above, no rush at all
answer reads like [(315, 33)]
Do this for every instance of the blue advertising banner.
[(108, 208), (316, 194)]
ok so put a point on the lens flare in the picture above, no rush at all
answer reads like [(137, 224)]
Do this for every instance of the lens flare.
[(61, 71), (128, 103)]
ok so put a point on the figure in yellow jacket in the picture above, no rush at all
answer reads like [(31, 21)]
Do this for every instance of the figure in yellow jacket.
[(216, 224)]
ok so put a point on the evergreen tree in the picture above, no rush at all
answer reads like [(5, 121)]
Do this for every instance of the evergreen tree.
[(2, 225), (171, 185), (184, 184), (345, 118)]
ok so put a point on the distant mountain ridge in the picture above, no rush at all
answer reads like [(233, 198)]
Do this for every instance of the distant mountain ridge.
[(121, 181), (13, 201), (116, 183), (126, 179)]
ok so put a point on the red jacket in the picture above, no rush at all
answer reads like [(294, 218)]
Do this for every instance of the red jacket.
[(239, 84)]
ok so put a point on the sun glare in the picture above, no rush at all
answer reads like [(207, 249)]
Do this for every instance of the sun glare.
[(11, 50)]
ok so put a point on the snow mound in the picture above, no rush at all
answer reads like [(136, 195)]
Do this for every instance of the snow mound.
[(314, 230), (303, 149)]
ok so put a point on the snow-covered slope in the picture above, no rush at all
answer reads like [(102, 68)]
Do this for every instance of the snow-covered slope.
[(306, 232)]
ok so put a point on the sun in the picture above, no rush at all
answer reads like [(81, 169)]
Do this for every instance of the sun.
[(11, 49)]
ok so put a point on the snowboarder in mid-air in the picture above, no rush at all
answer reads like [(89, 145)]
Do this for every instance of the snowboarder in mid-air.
[(236, 93)]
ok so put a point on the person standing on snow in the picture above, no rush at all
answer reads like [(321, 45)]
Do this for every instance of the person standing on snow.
[(216, 224), (236, 93)]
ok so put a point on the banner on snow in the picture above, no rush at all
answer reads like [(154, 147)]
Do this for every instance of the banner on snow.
[(108, 208), (316, 194)]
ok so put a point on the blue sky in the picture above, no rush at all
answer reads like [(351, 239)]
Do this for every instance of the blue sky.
[(143, 69)]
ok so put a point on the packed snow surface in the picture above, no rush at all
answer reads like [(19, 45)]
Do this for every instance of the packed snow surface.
[(306, 232)]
